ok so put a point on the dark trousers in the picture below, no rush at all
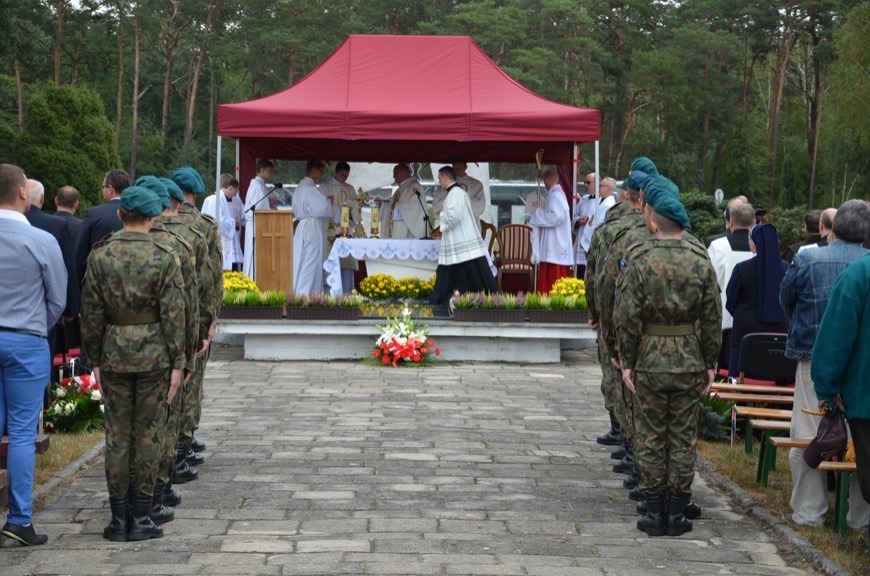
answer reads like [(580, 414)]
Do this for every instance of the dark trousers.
[(860, 429)]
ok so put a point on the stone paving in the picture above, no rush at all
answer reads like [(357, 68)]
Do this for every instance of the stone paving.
[(344, 468)]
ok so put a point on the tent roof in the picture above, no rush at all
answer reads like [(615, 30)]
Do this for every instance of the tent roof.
[(417, 88)]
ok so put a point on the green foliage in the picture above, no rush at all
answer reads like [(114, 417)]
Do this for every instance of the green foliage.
[(705, 216), (789, 224), (252, 298), (715, 418)]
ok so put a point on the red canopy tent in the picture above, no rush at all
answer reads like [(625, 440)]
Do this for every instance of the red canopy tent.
[(412, 99)]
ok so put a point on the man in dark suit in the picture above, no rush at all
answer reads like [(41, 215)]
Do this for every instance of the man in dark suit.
[(102, 220), (67, 202)]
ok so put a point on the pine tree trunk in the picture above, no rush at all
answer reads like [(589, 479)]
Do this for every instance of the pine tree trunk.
[(19, 90), (172, 36), (194, 80), (119, 101), (58, 40), (783, 55)]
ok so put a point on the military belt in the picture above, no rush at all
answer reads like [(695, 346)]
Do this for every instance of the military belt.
[(131, 319), (662, 330)]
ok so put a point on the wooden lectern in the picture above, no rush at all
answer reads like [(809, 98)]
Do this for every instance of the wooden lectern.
[(273, 250)]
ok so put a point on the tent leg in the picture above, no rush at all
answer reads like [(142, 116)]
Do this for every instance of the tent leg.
[(597, 176), (217, 180), (574, 197), (238, 142)]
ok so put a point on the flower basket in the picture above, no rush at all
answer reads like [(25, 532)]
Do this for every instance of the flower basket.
[(559, 316), (322, 313), (488, 315), (252, 312)]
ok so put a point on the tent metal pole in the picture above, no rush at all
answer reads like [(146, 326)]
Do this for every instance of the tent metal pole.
[(217, 180), (575, 169), (597, 177), (238, 142)]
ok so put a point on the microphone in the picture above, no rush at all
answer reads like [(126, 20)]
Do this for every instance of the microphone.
[(278, 185)]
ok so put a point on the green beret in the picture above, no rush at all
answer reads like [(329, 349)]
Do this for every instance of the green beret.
[(173, 189), (644, 164), (188, 180), (634, 181), (656, 184), (142, 201), (670, 207), (156, 186)]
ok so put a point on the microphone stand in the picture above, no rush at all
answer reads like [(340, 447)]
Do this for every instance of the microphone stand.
[(425, 216), (253, 221)]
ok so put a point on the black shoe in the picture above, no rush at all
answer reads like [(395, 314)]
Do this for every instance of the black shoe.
[(116, 531), (171, 497), (140, 526), (197, 445), (160, 514), (677, 523), (630, 481), (624, 466), (26, 535), (640, 508), (619, 453), (635, 494), (614, 436), (194, 459), (692, 510), (182, 472), (653, 523)]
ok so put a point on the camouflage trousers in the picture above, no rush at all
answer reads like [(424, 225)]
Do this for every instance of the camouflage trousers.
[(191, 410), (613, 390), (135, 417), (666, 413), (170, 435)]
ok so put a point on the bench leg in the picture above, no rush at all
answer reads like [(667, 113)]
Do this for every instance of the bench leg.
[(843, 481), (748, 437), (765, 460)]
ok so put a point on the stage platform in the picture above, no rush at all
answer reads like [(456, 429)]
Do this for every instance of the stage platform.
[(521, 342)]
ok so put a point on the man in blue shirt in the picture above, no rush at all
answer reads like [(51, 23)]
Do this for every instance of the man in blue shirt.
[(33, 300)]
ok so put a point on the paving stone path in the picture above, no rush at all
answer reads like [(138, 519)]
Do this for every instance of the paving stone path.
[(343, 468)]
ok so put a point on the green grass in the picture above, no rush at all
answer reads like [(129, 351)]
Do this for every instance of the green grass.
[(63, 449), (850, 550)]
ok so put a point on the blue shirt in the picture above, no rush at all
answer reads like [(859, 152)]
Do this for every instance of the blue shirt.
[(32, 276), (806, 288)]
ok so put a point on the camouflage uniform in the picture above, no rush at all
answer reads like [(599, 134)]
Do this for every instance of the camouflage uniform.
[(668, 330), (184, 250), (209, 229), (204, 290), (132, 308), (601, 239)]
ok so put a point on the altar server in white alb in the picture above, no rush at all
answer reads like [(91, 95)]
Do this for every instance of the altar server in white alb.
[(403, 215), (472, 186), (462, 263), (254, 201), (551, 235), (340, 191), (231, 220), (313, 210)]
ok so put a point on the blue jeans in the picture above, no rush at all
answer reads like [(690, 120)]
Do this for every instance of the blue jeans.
[(24, 371)]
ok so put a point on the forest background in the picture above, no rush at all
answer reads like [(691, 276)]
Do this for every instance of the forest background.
[(763, 98)]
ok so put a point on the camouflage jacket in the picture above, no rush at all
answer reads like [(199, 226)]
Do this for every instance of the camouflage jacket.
[(668, 283), (204, 279), (184, 251), (209, 228), (601, 239), (129, 273)]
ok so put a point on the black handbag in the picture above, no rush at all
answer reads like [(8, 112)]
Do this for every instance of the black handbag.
[(831, 438)]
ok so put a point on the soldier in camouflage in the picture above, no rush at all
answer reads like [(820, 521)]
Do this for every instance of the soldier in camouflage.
[(163, 492), (667, 318), (191, 184), (182, 471), (132, 327)]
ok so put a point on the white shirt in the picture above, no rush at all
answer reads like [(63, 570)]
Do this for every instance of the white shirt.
[(256, 192), (460, 240), (476, 194), (596, 220), (724, 259), (585, 206), (230, 212), (551, 229)]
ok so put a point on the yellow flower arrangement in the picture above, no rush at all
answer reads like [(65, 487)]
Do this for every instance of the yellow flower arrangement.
[(384, 286), (238, 282), (569, 287)]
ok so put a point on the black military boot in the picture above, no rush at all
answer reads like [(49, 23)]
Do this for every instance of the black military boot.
[(197, 445), (630, 481), (620, 452), (160, 514), (614, 436), (635, 494), (140, 526), (116, 531), (640, 507), (194, 459), (170, 496), (626, 465), (653, 523), (182, 472), (677, 523), (692, 510)]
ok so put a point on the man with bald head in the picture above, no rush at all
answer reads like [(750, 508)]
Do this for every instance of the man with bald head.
[(731, 249), (67, 202), (826, 228), (726, 214), (403, 216)]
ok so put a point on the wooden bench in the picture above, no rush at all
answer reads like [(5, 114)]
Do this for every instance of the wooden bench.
[(750, 413), (743, 398), (751, 388), (767, 454), (844, 471), (4, 489)]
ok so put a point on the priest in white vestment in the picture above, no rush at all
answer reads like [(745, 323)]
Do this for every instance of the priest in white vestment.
[(254, 201), (313, 210), (472, 186), (551, 235), (606, 200), (341, 192), (231, 220), (462, 263), (584, 209), (404, 215)]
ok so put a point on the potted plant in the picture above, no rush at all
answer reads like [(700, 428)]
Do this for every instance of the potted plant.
[(323, 307), (481, 307), (557, 309), (252, 305)]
